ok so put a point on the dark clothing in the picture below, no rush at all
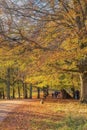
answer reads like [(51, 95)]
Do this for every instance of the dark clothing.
[(77, 94)]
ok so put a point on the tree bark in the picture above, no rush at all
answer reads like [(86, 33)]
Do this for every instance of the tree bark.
[(13, 92), (25, 90), (3, 95), (30, 91), (83, 94), (8, 83), (18, 91), (38, 92)]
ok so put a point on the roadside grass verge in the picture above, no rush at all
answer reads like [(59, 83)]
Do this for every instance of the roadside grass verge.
[(68, 123)]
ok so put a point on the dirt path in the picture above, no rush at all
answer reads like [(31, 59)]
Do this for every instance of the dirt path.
[(32, 115), (7, 107), (29, 115)]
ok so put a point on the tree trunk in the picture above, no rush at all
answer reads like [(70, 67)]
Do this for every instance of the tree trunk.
[(24, 90), (38, 92), (8, 90), (18, 91), (13, 92), (8, 83), (30, 91), (3, 95), (83, 94)]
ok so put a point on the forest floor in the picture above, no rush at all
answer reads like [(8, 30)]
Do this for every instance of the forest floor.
[(53, 114)]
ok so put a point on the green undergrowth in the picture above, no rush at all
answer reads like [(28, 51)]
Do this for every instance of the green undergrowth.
[(73, 123), (68, 123)]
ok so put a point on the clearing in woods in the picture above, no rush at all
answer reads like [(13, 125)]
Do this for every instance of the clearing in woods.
[(54, 114)]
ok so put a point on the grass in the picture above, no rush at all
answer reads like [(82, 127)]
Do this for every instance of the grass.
[(68, 123), (67, 115), (73, 123)]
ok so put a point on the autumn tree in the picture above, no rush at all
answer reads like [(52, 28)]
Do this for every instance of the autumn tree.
[(68, 20), (59, 26)]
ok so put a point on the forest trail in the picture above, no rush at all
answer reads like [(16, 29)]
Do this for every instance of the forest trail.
[(7, 106), (30, 114)]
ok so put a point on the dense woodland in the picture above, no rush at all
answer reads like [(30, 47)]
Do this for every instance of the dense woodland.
[(43, 42)]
